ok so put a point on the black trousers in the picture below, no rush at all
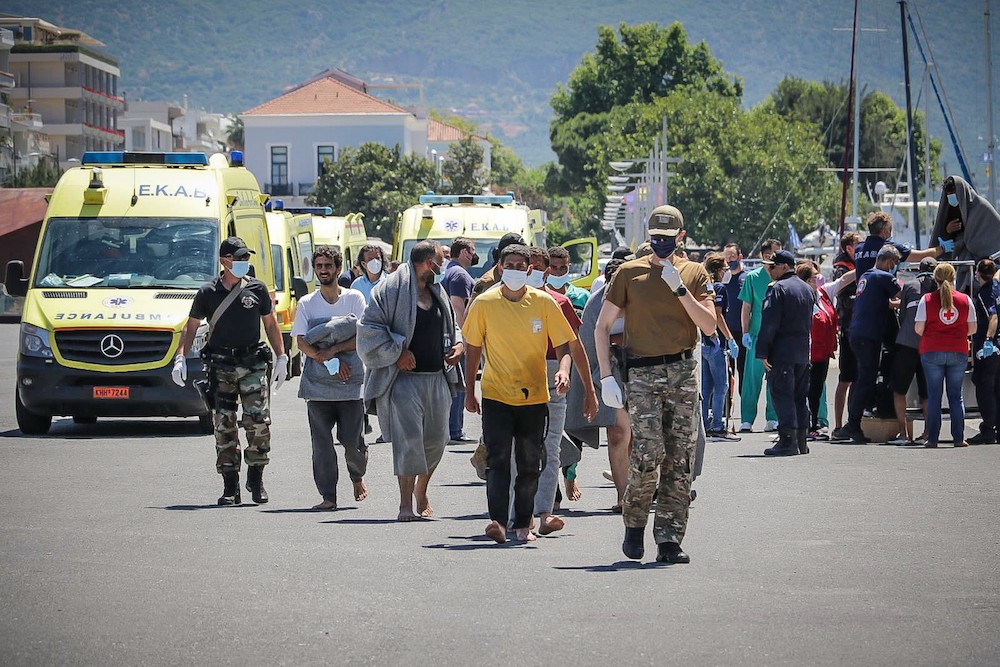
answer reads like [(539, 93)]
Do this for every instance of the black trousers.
[(521, 428), (986, 377), (862, 394), (817, 378), (789, 387)]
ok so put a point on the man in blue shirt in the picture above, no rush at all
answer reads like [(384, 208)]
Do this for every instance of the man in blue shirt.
[(986, 353), (372, 265), (458, 284), (880, 234), (877, 291), (732, 287)]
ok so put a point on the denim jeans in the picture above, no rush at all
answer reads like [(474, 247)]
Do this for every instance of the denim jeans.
[(944, 370), (714, 385), (456, 416)]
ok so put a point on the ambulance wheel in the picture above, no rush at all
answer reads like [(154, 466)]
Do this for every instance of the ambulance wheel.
[(205, 425), (29, 422), (77, 419)]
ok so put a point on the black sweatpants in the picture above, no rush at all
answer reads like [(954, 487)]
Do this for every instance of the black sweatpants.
[(986, 377), (521, 428), (862, 396)]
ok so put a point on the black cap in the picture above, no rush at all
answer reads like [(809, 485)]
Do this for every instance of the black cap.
[(782, 257), (510, 238), (235, 246), (621, 252)]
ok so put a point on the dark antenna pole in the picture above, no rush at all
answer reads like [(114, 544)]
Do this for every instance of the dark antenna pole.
[(909, 125), (847, 141)]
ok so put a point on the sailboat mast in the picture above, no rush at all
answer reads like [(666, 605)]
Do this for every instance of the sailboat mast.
[(847, 139), (990, 135), (911, 151)]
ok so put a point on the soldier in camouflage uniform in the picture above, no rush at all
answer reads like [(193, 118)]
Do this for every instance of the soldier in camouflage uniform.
[(665, 300), (239, 366)]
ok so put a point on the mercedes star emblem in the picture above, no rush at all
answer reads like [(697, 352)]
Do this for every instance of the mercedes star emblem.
[(112, 346)]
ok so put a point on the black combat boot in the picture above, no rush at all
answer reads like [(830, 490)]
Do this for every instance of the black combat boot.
[(633, 546), (671, 552), (786, 445), (255, 484), (802, 440), (231, 488)]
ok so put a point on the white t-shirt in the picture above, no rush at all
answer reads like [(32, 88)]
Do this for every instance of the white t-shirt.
[(313, 306)]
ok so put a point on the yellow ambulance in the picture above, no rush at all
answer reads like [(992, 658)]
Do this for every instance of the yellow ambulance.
[(485, 219), (346, 233), (292, 242), (127, 240)]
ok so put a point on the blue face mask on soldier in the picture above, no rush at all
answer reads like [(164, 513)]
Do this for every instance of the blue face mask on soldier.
[(664, 248)]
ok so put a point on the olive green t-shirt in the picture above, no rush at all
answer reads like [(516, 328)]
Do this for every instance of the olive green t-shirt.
[(655, 321)]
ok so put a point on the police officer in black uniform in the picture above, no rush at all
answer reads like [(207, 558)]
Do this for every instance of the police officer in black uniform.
[(238, 365), (783, 345)]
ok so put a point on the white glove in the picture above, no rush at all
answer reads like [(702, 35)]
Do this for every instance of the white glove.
[(726, 277), (610, 393), (180, 373), (280, 372), (670, 276)]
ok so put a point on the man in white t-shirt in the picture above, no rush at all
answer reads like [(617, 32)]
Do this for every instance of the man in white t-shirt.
[(326, 328)]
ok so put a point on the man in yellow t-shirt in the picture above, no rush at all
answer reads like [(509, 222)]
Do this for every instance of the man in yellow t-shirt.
[(515, 324)]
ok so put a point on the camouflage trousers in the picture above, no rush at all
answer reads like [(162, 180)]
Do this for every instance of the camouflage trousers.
[(249, 385), (663, 405)]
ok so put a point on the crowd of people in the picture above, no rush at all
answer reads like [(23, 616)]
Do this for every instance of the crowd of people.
[(559, 364)]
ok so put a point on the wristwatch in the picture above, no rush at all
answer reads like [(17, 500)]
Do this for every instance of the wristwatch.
[(682, 290)]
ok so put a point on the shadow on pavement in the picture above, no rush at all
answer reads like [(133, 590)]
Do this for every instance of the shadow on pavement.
[(469, 517), (65, 429), (583, 513), (473, 542), (213, 506), (370, 522), (620, 566), (305, 510), (465, 484)]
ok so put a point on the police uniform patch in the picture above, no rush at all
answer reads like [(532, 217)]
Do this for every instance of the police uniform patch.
[(248, 301)]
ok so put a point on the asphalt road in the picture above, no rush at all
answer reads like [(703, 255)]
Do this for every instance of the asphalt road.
[(113, 553)]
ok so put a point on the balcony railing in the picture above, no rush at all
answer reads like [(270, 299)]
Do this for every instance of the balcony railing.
[(279, 189), (27, 119), (118, 133)]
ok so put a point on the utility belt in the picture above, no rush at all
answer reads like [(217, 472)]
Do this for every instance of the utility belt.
[(231, 357), (625, 361)]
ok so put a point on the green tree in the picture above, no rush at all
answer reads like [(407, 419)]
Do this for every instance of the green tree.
[(234, 136), (44, 174), (463, 168), (375, 180), (506, 168)]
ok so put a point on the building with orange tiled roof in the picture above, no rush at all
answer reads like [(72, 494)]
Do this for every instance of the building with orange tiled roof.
[(287, 139)]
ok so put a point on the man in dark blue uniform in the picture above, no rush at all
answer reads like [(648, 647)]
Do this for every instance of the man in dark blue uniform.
[(783, 345), (880, 234), (986, 352), (877, 295)]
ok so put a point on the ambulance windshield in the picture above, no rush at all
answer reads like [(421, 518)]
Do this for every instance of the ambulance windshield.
[(128, 252)]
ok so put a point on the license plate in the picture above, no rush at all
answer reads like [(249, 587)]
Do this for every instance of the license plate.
[(111, 392)]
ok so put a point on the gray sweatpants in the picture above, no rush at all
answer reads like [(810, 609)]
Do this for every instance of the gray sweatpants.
[(548, 480), (348, 417), (416, 409)]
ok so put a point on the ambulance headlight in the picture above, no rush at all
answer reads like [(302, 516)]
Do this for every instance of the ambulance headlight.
[(35, 342), (200, 338)]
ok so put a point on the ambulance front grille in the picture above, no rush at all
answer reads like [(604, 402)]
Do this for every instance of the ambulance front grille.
[(174, 295), (51, 294), (113, 347)]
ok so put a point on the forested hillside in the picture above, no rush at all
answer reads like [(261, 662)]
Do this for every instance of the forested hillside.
[(499, 63)]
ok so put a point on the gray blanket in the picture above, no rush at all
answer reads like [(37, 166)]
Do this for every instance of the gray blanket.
[(386, 329), (317, 384), (576, 424), (980, 235)]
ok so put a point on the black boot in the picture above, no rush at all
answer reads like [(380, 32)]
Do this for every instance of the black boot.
[(633, 546), (802, 440), (231, 488), (255, 484), (786, 445), (671, 552)]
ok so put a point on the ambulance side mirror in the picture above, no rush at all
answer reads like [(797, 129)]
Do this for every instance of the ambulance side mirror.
[(299, 288), (14, 280)]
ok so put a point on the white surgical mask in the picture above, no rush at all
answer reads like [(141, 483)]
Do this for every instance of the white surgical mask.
[(536, 279), (514, 280), (240, 268), (374, 266), (558, 282)]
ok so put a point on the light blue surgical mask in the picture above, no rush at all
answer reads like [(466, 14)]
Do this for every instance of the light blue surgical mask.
[(536, 279), (894, 269), (438, 278), (240, 268), (953, 199), (332, 365), (558, 282)]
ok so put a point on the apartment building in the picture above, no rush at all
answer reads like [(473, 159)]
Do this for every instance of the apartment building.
[(65, 82)]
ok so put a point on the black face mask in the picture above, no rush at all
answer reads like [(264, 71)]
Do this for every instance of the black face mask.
[(475, 259), (663, 249)]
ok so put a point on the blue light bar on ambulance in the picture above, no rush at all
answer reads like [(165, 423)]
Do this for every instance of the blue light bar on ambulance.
[(279, 205), (467, 199), (236, 159), (124, 157)]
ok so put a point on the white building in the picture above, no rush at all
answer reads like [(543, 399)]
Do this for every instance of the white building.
[(164, 126), (62, 75), (288, 138)]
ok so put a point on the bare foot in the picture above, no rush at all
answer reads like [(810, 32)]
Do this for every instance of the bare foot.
[(406, 514), (324, 506), (550, 524), (573, 490), (524, 535), (360, 491), (496, 532), (424, 508)]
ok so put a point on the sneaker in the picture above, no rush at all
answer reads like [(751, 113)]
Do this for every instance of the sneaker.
[(724, 436), (818, 434), (746, 427), (840, 434), (899, 442), (982, 439), (463, 439), (771, 426)]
